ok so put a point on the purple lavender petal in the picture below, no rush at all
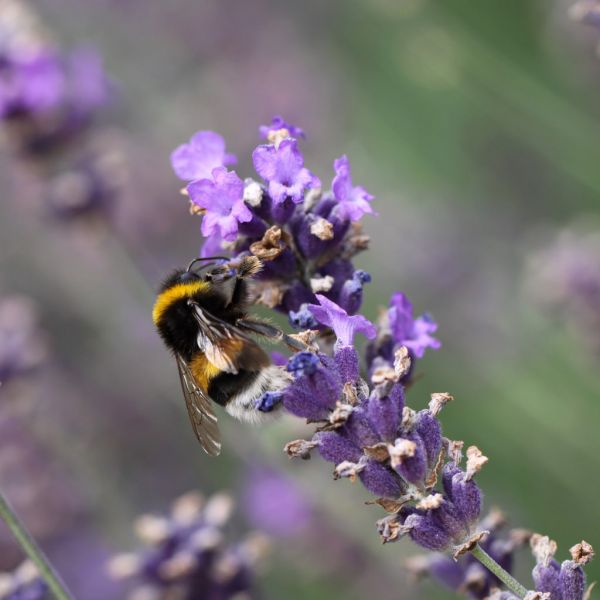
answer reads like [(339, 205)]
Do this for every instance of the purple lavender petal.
[(415, 334), (354, 201), (222, 198), (345, 327), (200, 156), (282, 167)]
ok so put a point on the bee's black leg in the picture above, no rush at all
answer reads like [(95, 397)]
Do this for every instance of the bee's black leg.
[(271, 332)]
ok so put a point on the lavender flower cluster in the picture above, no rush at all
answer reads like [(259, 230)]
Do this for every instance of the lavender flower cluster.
[(186, 555), (306, 238), (49, 100)]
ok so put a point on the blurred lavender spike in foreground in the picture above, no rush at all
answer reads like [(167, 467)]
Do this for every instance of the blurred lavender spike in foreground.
[(186, 554), (24, 583)]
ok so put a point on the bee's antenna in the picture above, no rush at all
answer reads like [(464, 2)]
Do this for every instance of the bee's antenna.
[(202, 259)]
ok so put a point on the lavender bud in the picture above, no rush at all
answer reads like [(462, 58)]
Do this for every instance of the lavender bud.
[(335, 448), (546, 578), (385, 411), (449, 518), (350, 297), (425, 532), (359, 429), (572, 581), (466, 495), (411, 464), (381, 481), (314, 393), (429, 430), (346, 360)]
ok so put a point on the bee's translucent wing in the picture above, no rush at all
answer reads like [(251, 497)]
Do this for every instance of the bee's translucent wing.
[(199, 407), (225, 345)]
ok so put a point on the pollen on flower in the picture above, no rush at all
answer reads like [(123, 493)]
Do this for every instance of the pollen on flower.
[(322, 229)]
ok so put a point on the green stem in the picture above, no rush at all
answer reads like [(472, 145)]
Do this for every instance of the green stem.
[(504, 576), (33, 551)]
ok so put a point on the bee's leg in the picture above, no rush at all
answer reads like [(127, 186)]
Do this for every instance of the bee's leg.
[(271, 332)]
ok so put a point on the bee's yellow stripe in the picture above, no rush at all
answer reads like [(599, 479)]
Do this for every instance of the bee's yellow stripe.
[(203, 371), (174, 293)]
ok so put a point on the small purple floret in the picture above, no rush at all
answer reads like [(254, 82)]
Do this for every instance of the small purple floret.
[(353, 201), (222, 198), (328, 313), (204, 152), (415, 334), (279, 123), (282, 167)]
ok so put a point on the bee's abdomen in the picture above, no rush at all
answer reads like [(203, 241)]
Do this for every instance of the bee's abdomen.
[(225, 385)]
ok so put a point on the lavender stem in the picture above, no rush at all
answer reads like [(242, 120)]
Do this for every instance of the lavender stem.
[(33, 551), (504, 576)]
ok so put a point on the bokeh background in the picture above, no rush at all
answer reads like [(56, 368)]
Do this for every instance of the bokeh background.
[(475, 125)]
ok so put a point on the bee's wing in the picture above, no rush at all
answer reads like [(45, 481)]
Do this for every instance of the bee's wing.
[(225, 345), (204, 420)]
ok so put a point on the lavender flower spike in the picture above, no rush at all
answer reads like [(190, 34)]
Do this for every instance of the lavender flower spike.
[(345, 326), (353, 200), (204, 152), (222, 198), (283, 168)]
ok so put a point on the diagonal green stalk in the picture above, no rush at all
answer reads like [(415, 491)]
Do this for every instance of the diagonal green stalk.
[(504, 576), (33, 551)]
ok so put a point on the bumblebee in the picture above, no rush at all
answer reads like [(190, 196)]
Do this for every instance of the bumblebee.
[(202, 317)]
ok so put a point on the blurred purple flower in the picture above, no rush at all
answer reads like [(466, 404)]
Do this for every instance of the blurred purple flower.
[(88, 85), (22, 345), (204, 152), (186, 554), (274, 504), (212, 245), (407, 331), (353, 201), (31, 83), (223, 199), (282, 166), (279, 123), (345, 327)]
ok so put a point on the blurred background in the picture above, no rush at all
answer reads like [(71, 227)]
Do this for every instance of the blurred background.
[(476, 127)]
